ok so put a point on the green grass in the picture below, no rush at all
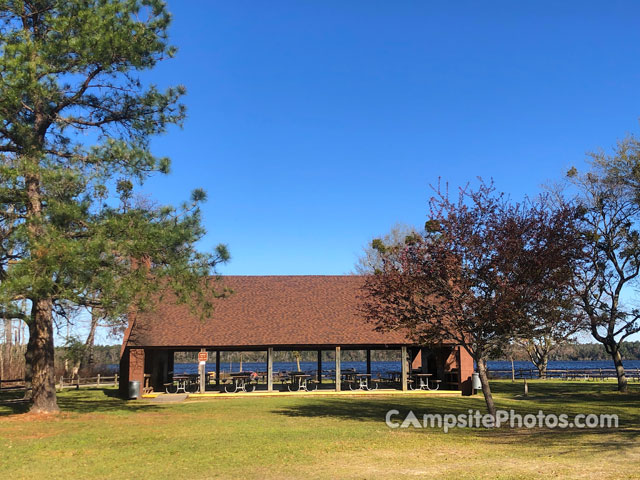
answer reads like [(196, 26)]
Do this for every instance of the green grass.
[(101, 436)]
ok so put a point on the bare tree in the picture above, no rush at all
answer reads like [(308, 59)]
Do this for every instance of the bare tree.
[(559, 321), (371, 258), (610, 196)]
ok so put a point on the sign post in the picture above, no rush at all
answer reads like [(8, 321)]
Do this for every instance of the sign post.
[(203, 356)]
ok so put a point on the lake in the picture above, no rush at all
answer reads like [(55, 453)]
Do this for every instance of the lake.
[(385, 367)]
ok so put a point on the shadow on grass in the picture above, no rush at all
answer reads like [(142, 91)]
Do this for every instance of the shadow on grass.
[(87, 400), (565, 441), (375, 409), (568, 398), (563, 388)]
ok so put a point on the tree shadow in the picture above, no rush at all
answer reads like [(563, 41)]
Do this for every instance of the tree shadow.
[(565, 441), (557, 399), (101, 400), (87, 400), (374, 409), (566, 389)]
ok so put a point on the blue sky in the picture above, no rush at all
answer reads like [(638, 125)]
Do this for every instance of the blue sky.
[(315, 126)]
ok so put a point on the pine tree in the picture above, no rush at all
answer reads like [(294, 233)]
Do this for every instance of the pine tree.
[(75, 125)]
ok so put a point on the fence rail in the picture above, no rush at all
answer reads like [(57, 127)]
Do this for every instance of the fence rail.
[(97, 381), (11, 384), (565, 374), (8, 384)]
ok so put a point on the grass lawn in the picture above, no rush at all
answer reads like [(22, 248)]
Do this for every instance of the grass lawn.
[(101, 436)]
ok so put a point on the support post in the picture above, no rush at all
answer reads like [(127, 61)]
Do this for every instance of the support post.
[(465, 370), (217, 368), (115, 379), (98, 381), (338, 373), (319, 366), (368, 361), (270, 369), (202, 370), (404, 365)]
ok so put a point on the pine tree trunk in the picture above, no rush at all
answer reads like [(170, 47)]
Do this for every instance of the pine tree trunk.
[(43, 382), (617, 361), (40, 350), (486, 389)]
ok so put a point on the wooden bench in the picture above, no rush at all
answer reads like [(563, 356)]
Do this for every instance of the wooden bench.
[(147, 384)]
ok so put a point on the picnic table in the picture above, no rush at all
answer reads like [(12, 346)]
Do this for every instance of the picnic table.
[(299, 381), (183, 382), (421, 381), (241, 382), (361, 381)]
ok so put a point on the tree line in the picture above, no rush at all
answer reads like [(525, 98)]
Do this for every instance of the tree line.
[(105, 355), (110, 354), (581, 352)]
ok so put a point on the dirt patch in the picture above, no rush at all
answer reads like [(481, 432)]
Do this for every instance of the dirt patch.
[(36, 417)]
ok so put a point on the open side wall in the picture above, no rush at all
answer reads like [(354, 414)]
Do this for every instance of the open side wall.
[(153, 367)]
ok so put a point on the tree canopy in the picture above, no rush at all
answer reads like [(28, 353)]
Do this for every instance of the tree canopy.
[(486, 271)]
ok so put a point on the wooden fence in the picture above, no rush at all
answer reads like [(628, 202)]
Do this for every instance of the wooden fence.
[(11, 384), (78, 381), (70, 382), (566, 374)]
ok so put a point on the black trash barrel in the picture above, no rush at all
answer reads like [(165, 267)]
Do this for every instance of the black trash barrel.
[(134, 389)]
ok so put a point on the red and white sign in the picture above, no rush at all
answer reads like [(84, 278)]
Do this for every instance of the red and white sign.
[(203, 357)]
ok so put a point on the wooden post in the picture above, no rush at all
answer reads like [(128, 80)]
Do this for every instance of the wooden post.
[(217, 368), (338, 374), (202, 370), (368, 361), (115, 380), (403, 360), (513, 371), (270, 369), (319, 366), (98, 382)]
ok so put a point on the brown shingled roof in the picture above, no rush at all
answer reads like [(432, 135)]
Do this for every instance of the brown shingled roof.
[(268, 311)]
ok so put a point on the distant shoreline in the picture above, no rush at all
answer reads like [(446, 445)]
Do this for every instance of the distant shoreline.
[(579, 352)]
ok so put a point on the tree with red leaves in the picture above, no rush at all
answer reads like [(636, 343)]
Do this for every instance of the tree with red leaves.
[(485, 272)]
